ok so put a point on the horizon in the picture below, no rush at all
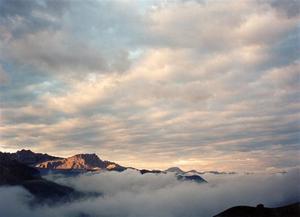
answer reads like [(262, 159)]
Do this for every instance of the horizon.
[(161, 169), (204, 85)]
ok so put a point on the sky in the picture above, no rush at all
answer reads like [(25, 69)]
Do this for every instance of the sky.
[(206, 85)]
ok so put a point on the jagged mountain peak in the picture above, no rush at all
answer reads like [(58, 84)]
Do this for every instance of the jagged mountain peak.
[(86, 156), (78, 161), (28, 151)]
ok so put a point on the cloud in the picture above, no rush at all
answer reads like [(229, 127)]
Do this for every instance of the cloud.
[(50, 37), (3, 76), (132, 194), (151, 84), (290, 8), (59, 53)]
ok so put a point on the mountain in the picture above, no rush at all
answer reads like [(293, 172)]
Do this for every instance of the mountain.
[(292, 210), (194, 178), (87, 162), (14, 173), (144, 171), (220, 173), (175, 170), (81, 162), (195, 172), (76, 162), (186, 176), (30, 158), (112, 166)]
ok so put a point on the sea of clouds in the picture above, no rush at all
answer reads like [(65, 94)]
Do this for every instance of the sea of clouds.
[(130, 194)]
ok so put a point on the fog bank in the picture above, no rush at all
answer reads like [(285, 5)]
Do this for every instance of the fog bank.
[(130, 194)]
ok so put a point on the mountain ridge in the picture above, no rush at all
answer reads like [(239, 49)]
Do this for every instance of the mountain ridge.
[(29, 157), (15, 173), (292, 210), (88, 162), (81, 163)]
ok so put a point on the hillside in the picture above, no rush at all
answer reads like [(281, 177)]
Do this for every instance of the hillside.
[(292, 210), (14, 173)]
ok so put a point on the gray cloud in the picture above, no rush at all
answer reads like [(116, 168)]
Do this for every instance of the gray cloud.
[(51, 36), (288, 8), (21, 17)]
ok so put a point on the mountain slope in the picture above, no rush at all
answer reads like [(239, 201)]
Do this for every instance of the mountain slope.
[(194, 178), (175, 170), (14, 173), (112, 166), (292, 210), (80, 162), (30, 158), (76, 162), (186, 176)]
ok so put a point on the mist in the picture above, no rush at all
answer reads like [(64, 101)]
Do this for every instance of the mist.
[(130, 194)]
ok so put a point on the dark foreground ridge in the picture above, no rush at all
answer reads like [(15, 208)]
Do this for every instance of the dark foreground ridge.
[(14, 173), (292, 210), (30, 158)]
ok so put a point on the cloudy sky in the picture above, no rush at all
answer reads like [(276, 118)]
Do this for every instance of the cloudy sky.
[(208, 85)]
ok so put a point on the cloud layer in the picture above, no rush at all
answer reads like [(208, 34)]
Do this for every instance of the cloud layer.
[(130, 194), (196, 84)]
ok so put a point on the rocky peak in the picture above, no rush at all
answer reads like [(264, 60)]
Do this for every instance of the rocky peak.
[(87, 160), (24, 151), (78, 162), (89, 157)]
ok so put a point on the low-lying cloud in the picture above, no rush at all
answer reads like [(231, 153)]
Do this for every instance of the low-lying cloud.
[(130, 194)]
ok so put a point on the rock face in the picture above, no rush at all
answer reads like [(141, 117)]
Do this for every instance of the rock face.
[(292, 210), (76, 162), (81, 162)]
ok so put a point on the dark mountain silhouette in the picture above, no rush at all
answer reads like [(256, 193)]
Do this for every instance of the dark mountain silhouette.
[(194, 178), (13, 173), (30, 158), (175, 170), (144, 171), (195, 172), (179, 174), (292, 210), (191, 175)]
